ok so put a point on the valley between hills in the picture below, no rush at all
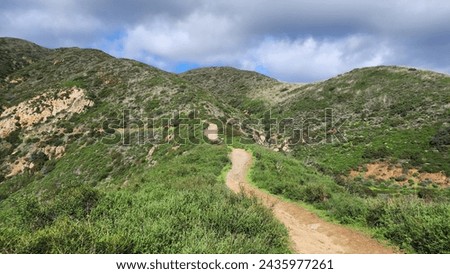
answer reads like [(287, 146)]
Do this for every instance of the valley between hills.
[(107, 155)]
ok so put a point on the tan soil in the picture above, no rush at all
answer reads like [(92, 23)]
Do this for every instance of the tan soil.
[(212, 132), (54, 152), (309, 234), (42, 107), (384, 171), (38, 116), (20, 166)]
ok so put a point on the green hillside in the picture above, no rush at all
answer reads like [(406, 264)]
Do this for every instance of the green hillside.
[(250, 92), (107, 155)]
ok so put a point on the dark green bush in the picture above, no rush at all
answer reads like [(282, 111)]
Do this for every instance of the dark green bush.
[(14, 138), (347, 209), (48, 166), (376, 209), (442, 139), (418, 226), (375, 153), (38, 159), (315, 193)]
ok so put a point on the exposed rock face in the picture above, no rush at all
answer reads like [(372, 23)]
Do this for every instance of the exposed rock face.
[(259, 137), (41, 108), (149, 157), (20, 166), (272, 142), (25, 163), (37, 117), (54, 152)]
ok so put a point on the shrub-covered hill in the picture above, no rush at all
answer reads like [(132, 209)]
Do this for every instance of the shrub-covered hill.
[(384, 113), (16, 54), (381, 133), (394, 114), (107, 155), (248, 91), (81, 95), (91, 161)]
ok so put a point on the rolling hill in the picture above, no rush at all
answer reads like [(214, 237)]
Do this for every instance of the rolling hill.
[(107, 155)]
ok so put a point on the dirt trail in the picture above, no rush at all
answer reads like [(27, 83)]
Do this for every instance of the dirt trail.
[(309, 234), (212, 132)]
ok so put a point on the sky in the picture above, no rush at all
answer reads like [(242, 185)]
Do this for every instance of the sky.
[(290, 40)]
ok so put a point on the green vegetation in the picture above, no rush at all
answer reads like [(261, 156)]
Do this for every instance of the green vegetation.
[(179, 206), (17, 54), (254, 106), (416, 221), (79, 83), (239, 89), (415, 147), (281, 175), (442, 139), (105, 195)]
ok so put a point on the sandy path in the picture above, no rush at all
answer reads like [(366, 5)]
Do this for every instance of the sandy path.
[(309, 234)]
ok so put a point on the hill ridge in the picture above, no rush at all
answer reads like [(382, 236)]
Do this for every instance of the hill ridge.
[(92, 145)]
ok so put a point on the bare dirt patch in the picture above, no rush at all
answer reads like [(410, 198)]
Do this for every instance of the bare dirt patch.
[(212, 132), (384, 171), (42, 107)]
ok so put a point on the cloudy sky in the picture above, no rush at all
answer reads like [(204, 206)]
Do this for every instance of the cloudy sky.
[(291, 40)]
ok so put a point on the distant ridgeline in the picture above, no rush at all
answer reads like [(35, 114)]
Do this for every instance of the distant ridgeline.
[(92, 146)]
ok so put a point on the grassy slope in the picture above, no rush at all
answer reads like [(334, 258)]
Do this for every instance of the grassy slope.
[(105, 198), (392, 113), (115, 86), (247, 91), (413, 224), (179, 206), (395, 114)]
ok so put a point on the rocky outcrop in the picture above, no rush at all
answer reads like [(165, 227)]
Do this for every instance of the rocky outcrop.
[(149, 157), (37, 118), (40, 108), (54, 152), (272, 142)]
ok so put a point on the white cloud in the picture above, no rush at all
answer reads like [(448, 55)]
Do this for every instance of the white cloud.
[(207, 39), (295, 40), (61, 28), (312, 59), (203, 38)]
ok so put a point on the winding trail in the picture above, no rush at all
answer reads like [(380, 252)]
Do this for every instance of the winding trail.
[(308, 233)]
